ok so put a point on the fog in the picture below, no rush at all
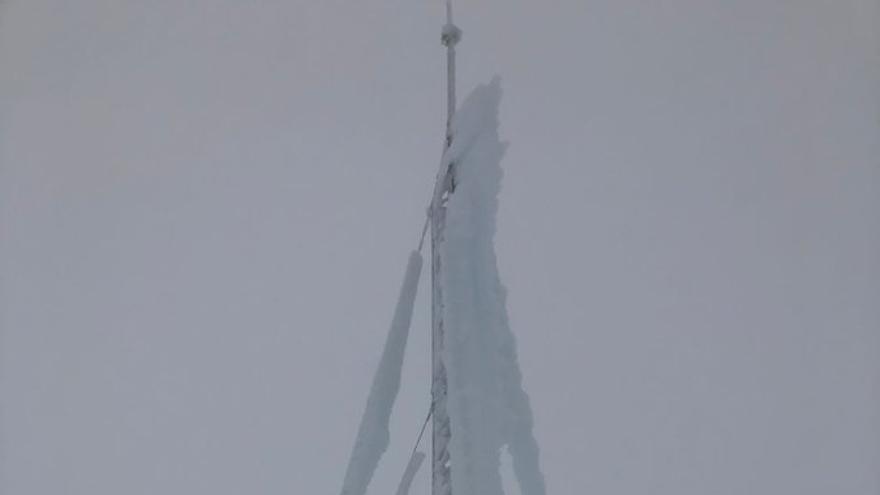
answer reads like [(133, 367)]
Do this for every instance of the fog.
[(206, 208)]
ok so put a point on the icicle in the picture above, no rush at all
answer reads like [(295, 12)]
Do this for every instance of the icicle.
[(373, 433)]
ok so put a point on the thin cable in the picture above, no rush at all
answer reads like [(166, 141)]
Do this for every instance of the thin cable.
[(419, 439), (424, 231), (422, 432)]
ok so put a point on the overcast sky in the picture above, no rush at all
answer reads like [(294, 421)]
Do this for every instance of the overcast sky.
[(206, 208)]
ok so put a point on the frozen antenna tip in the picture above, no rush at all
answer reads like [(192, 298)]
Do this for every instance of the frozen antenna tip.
[(451, 34)]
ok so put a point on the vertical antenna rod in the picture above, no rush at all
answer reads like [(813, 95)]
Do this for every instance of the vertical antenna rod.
[(441, 480), (450, 36)]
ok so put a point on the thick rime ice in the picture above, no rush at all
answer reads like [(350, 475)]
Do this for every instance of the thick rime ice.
[(487, 405), (372, 438)]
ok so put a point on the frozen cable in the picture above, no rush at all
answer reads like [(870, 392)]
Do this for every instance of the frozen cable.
[(424, 231), (422, 431)]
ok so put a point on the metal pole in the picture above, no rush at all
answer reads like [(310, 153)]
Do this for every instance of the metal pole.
[(441, 480)]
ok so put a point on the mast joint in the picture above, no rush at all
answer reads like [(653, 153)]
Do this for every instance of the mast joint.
[(450, 35)]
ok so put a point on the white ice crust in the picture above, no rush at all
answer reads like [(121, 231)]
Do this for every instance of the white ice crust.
[(487, 405)]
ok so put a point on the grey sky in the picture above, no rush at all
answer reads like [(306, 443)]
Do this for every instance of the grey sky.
[(206, 208)]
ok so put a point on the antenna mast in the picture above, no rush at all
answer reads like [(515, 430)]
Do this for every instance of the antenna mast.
[(450, 36), (441, 480)]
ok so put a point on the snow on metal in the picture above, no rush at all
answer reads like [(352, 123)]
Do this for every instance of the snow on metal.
[(441, 432)]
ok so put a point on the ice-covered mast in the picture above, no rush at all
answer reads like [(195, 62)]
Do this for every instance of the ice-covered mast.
[(441, 483)]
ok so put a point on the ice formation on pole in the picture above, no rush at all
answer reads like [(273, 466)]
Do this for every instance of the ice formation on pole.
[(488, 407), (373, 432)]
